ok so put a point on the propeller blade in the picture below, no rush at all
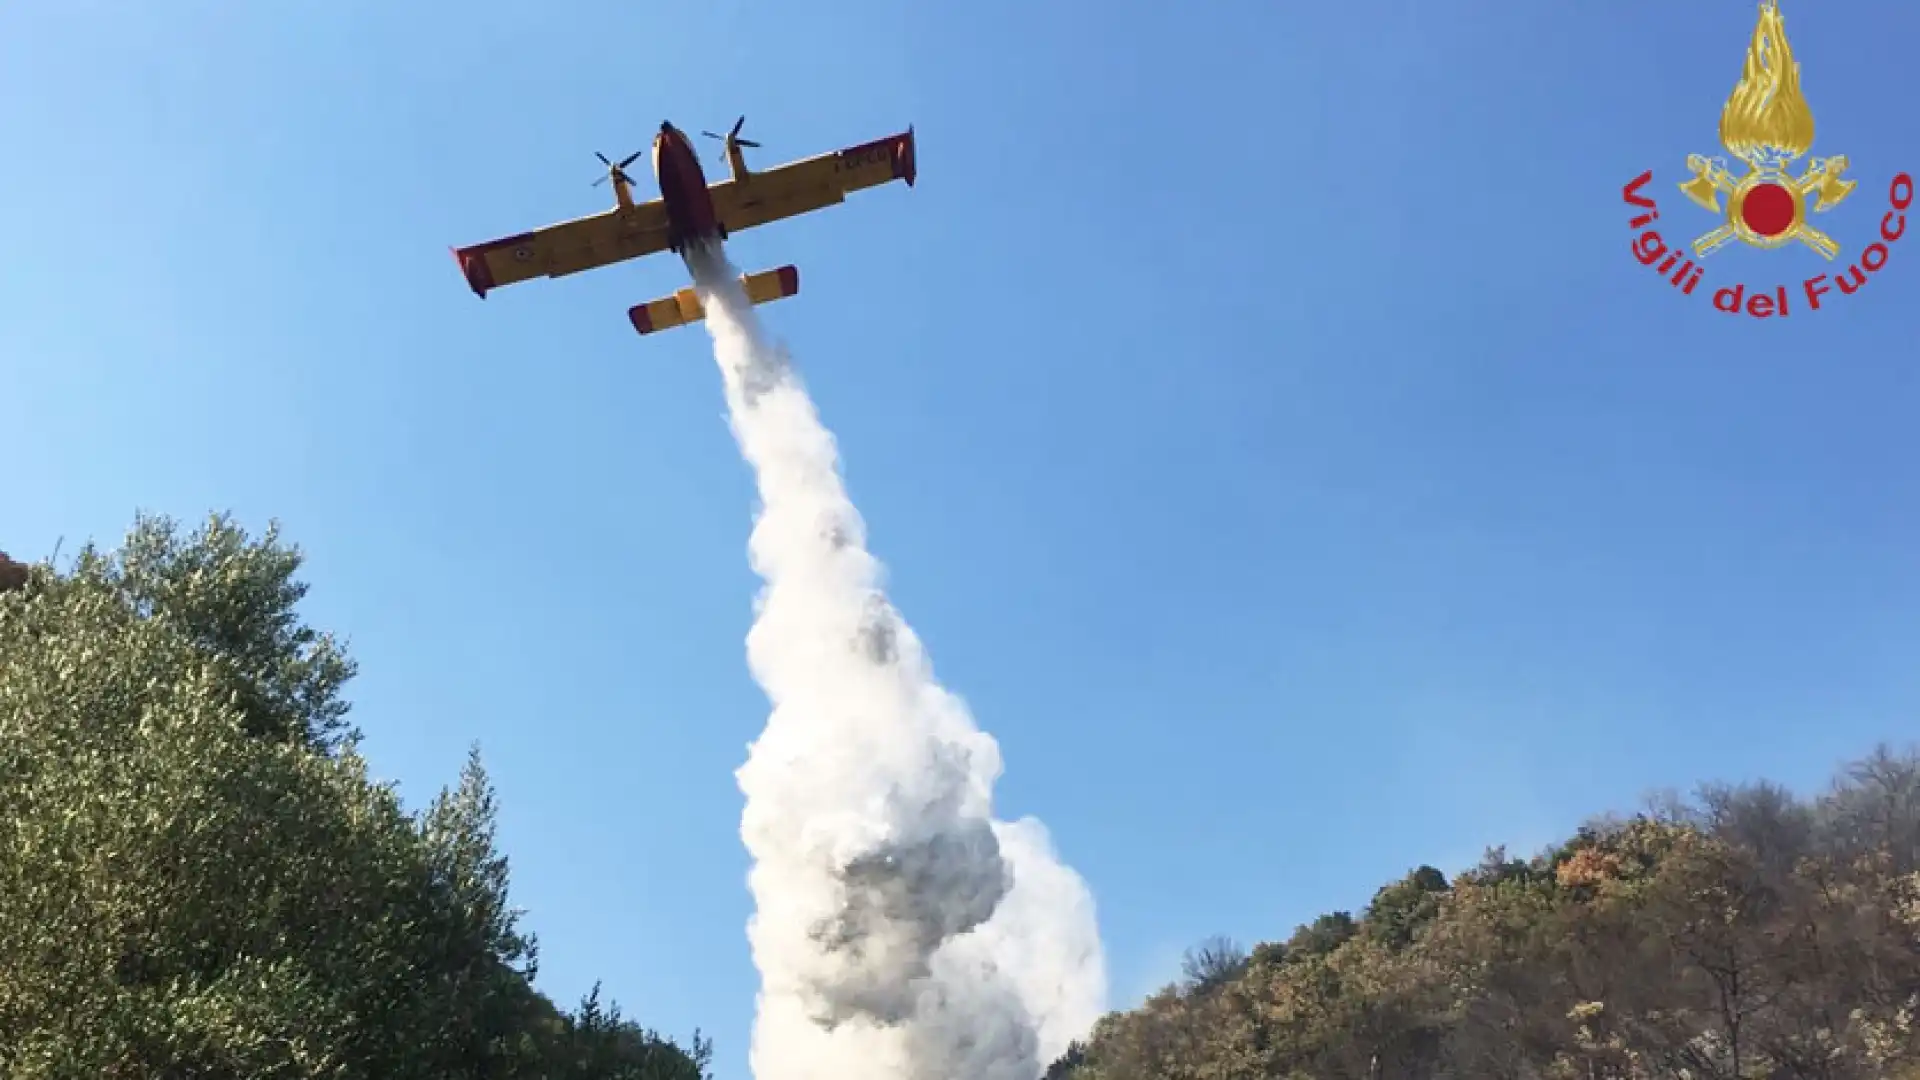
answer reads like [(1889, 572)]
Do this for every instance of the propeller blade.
[(631, 158), (738, 123), (711, 135), (598, 182), (746, 142), (603, 158)]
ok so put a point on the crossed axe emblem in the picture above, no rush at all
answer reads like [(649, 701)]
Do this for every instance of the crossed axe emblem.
[(1821, 180)]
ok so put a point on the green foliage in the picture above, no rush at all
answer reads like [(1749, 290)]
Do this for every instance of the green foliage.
[(198, 877), (1400, 910), (1215, 962), (1322, 936), (1069, 1063), (1745, 935), (602, 1045)]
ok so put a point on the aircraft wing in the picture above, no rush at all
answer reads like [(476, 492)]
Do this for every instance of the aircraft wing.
[(567, 248), (814, 183)]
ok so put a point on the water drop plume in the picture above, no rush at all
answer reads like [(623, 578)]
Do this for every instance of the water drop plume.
[(900, 930)]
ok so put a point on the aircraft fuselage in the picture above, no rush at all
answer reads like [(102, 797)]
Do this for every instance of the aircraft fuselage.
[(683, 187)]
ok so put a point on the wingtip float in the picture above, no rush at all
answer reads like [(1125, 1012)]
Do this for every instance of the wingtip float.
[(689, 211)]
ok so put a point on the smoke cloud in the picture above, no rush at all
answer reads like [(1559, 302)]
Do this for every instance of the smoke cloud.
[(900, 931)]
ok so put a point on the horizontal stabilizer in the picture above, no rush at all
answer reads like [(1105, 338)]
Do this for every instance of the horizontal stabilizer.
[(684, 307)]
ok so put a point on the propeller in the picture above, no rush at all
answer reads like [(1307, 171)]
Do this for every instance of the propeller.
[(733, 136), (619, 170)]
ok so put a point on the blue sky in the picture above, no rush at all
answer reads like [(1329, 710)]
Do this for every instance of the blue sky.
[(1265, 422)]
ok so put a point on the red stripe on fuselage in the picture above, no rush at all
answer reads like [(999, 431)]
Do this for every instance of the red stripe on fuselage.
[(683, 186)]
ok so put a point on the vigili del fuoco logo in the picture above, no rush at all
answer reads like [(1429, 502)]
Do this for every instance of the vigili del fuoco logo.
[(1768, 126)]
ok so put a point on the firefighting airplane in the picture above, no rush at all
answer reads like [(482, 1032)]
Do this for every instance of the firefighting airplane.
[(689, 210)]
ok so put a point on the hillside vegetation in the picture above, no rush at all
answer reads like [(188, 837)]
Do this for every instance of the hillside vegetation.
[(198, 877), (1744, 934)]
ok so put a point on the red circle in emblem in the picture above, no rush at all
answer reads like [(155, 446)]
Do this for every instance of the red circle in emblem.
[(1768, 209)]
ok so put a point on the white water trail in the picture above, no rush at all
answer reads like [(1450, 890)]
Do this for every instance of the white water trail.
[(901, 932)]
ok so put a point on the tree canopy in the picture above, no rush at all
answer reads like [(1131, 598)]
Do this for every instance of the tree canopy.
[(1744, 934), (199, 877)]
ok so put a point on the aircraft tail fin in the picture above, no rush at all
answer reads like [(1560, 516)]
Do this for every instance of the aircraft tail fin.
[(684, 307)]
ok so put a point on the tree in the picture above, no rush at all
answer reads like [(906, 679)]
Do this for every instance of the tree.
[(198, 877), (1064, 1066), (603, 1045), (1400, 910), (1212, 963), (232, 600), (1322, 936), (1745, 934)]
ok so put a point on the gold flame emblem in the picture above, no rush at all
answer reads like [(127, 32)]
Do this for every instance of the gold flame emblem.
[(1768, 125)]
